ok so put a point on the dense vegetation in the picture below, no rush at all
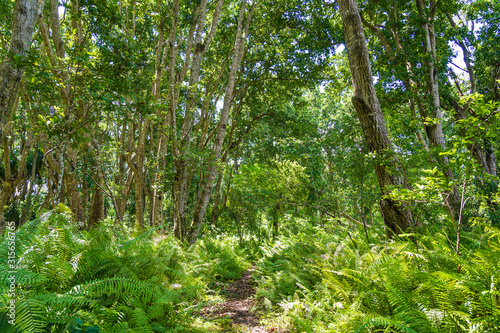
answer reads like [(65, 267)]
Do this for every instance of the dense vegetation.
[(154, 151), (318, 279)]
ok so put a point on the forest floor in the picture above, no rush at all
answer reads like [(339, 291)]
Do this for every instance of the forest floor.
[(239, 310)]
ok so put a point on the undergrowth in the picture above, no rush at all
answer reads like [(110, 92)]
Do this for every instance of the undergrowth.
[(343, 283), (107, 280)]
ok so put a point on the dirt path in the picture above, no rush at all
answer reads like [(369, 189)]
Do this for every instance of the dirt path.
[(237, 307)]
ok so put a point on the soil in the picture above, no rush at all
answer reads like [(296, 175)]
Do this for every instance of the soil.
[(239, 306)]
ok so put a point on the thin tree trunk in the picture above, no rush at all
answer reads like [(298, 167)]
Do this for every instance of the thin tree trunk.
[(71, 186), (207, 183), (74, 109), (434, 130), (157, 177), (96, 211), (491, 160), (13, 177), (26, 14), (27, 210), (217, 200), (183, 161), (7, 185), (138, 166)]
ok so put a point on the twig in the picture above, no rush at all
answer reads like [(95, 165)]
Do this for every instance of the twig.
[(459, 67), (350, 218), (462, 205)]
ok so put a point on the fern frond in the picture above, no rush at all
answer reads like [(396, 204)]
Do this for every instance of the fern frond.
[(30, 315), (140, 319), (115, 285), (385, 323)]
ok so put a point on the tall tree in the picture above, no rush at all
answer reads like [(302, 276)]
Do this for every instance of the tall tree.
[(397, 217), (412, 45), (25, 16), (208, 182)]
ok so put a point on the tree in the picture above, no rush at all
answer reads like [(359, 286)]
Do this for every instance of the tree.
[(397, 216), (26, 14), (411, 47)]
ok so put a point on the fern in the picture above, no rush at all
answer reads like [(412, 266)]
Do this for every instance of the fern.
[(67, 278), (414, 285), (386, 323), (30, 314)]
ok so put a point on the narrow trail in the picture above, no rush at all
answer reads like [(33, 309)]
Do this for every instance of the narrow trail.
[(238, 305)]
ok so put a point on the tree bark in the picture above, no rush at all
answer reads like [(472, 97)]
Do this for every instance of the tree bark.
[(155, 216), (184, 162), (96, 210), (397, 217), (136, 163), (27, 210), (13, 177), (26, 14), (434, 130), (207, 183)]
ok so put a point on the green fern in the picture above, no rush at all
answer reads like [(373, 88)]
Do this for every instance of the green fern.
[(386, 325), (415, 285), (30, 314), (67, 278)]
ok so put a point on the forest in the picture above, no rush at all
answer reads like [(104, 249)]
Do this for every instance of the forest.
[(249, 166)]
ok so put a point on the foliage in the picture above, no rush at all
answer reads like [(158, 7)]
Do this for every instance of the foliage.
[(224, 260), (105, 280), (266, 189), (332, 283), (129, 127)]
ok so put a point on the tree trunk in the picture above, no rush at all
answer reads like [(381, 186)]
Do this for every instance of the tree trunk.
[(207, 183), (96, 211), (13, 177), (72, 183), (184, 163), (217, 200), (157, 178), (26, 13), (434, 130), (397, 216), (27, 210)]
